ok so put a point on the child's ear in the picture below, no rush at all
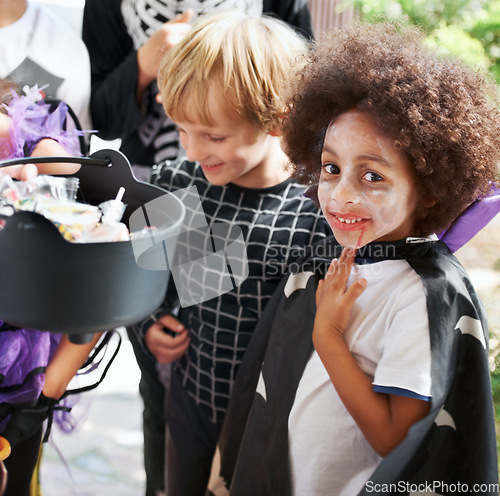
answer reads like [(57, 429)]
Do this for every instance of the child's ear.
[(276, 129)]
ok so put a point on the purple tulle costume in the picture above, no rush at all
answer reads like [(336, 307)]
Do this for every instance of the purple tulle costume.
[(32, 120), (24, 354)]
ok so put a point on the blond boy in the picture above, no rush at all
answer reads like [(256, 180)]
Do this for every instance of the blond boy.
[(224, 86)]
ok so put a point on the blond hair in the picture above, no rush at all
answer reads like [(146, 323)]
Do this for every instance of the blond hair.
[(247, 60)]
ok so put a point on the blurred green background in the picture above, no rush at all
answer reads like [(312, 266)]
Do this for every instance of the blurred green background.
[(469, 29)]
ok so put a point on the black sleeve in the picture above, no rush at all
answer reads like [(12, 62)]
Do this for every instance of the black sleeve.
[(25, 421), (114, 70), (294, 12)]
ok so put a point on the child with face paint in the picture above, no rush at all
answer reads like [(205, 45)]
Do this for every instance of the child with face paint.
[(370, 365)]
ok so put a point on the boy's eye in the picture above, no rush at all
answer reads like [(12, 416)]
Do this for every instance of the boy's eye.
[(216, 139), (331, 169), (373, 177)]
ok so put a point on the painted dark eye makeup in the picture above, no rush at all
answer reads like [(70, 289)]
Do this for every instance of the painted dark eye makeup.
[(330, 168), (372, 177)]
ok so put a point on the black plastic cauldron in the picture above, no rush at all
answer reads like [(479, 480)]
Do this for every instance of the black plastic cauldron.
[(50, 284)]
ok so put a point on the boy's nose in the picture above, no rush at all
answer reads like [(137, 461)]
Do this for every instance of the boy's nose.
[(195, 152), (345, 191)]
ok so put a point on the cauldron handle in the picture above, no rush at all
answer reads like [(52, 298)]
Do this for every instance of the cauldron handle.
[(44, 160)]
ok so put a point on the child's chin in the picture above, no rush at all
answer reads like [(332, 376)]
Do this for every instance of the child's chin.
[(354, 239), (215, 180)]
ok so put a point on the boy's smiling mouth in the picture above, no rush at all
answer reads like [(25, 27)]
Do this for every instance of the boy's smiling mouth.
[(211, 166), (348, 222)]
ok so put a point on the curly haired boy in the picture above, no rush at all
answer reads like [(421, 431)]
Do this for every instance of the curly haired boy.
[(370, 366)]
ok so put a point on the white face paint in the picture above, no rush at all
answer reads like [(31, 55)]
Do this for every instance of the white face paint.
[(365, 189)]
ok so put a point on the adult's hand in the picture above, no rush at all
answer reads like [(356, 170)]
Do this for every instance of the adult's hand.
[(150, 54)]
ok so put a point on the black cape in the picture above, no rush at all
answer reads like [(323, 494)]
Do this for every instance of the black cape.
[(451, 450)]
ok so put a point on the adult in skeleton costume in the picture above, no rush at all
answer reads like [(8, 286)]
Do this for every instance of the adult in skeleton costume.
[(123, 100)]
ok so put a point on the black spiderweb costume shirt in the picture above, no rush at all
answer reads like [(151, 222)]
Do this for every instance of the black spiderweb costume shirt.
[(276, 223)]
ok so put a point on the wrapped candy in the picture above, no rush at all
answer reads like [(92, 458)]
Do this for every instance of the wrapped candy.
[(54, 198)]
